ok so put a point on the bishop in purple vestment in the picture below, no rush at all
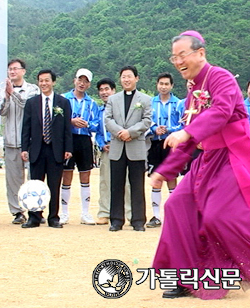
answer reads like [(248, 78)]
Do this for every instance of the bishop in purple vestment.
[(207, 218)]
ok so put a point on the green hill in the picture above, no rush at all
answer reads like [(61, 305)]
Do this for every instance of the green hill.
[(55, 5), (108, 34)]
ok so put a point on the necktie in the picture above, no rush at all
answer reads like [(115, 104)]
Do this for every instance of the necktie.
[(47, 123)]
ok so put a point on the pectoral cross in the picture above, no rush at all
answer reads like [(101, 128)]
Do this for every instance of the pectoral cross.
[(189, 114)]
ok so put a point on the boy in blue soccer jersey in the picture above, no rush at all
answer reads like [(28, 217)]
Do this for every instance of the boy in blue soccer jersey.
[(166, 119), (84, 120)]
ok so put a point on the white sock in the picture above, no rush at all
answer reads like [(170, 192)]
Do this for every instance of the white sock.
[(65, 197), (171, 190), (156, 201), (85, 197)]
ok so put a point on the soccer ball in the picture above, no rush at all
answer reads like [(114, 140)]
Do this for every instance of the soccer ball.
[(34, 195)]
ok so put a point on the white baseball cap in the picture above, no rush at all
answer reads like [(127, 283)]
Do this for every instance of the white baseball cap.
[(84, 72)]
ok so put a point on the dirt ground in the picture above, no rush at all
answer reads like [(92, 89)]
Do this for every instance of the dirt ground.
[(50, 268)]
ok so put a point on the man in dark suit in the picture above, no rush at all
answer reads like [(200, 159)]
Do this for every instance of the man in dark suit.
[(47, 142)]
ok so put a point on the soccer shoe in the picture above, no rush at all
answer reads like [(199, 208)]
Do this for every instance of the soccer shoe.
[(64, 219), (102, 221), (153, 223), (87, 219), (20, 219)]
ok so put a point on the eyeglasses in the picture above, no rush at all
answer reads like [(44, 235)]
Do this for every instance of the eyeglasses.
[(14, 69), (182, 56)]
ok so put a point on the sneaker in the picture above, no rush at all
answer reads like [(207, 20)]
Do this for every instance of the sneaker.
[(102, 221), (87, 219), (64, 219), (153, 223), (20, 219)]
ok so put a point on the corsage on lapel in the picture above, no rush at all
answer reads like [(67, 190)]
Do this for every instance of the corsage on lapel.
[(202, 98), (138, 105), (58, 110)]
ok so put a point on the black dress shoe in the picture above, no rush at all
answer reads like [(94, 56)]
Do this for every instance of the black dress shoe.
[(30, 224), (55, 224), (139, 228), (115, 228), (178, 292)]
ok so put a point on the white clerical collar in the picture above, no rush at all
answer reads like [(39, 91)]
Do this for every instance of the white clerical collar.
[(130, 92)]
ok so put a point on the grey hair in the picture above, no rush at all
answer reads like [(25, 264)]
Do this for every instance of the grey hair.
[(196, 43)]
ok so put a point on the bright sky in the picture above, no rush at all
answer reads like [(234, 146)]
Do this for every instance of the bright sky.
[(3, 39)]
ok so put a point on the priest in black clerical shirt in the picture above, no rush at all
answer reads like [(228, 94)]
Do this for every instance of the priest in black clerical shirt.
[(127, 118)]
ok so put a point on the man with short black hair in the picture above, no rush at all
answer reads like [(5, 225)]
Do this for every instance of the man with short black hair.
[(166, 119), (128, 117), (47, 142), (106, 87)]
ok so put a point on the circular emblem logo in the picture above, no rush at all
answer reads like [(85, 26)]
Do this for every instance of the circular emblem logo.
[(112, 278)]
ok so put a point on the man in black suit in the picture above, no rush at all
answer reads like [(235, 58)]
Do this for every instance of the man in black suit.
[(47, 142)]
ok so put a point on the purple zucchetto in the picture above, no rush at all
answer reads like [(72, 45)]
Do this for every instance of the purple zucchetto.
[(194, 34)]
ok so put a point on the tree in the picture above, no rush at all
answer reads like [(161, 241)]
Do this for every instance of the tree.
[(105, 35)]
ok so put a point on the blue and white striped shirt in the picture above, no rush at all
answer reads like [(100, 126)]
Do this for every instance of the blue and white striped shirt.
[(87, 109), (247, 105), (102, 136), (168, 114)]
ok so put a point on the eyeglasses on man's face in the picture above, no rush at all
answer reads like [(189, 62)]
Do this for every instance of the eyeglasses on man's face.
[(181, 56), (15, 69)]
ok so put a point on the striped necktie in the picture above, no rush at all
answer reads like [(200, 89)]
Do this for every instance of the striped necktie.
[(47, 123)]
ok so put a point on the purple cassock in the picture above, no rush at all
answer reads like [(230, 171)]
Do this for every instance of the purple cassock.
[(207, 217)]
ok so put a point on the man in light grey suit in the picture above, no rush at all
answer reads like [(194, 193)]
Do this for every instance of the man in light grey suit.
[(127, 118)]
